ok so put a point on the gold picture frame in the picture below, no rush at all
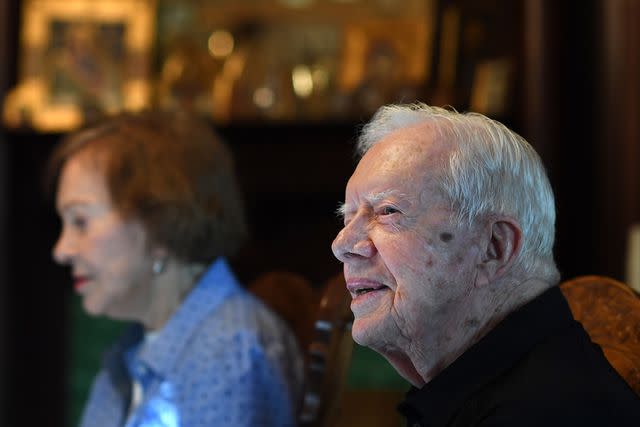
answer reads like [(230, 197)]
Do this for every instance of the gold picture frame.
[(79, 59)]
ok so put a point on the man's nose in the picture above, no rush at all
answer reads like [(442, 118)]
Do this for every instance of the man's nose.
[(353, 242)]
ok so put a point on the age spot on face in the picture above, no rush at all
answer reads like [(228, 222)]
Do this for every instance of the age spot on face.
[(471, 323), (446, 237)]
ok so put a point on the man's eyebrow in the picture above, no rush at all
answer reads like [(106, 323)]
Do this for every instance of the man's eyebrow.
[(372, 199), (377, 197)]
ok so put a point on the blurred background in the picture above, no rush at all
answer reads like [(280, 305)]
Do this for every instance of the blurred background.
[(288, 83)]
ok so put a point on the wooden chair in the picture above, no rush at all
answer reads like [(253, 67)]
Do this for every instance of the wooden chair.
[(292, 297), (321, 321), (329, 356), (610, 313)]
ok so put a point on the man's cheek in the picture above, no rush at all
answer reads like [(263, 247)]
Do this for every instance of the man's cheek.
[(411, 260)]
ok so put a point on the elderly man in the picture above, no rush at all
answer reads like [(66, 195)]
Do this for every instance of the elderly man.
[(447, 251)]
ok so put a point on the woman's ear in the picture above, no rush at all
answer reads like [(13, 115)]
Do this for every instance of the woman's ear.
[(159, 256), (503, 246), (159, 252)]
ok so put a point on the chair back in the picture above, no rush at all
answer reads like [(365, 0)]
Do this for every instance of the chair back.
[(321, 321), (610, 313), (292, 297), (329, 356)]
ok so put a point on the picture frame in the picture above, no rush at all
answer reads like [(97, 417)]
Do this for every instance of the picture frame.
[(377, 68), (81, 59)]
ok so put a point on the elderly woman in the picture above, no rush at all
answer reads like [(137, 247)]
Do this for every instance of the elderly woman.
[(150, 210)]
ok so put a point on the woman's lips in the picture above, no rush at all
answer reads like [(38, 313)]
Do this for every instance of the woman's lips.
[(79, 283)]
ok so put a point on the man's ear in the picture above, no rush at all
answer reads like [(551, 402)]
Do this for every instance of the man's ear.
[(503, 247)]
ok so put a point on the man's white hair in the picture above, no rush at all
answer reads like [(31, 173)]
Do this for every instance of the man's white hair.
[(491, 170)]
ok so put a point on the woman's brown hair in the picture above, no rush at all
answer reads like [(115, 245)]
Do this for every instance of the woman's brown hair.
[(171, 172)]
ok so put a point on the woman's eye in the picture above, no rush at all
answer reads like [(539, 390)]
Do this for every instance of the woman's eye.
[(79, 222)]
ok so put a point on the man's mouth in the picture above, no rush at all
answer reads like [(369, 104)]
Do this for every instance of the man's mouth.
[(359, 286), (363, 291)]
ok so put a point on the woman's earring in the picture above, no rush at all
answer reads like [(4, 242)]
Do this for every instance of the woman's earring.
[(158, 266)]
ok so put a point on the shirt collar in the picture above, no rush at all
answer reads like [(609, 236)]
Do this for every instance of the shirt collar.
[(437, 401), (214, 287), (115, 363)]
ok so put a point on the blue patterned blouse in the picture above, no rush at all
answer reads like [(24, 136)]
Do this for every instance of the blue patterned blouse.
[(223, 359)]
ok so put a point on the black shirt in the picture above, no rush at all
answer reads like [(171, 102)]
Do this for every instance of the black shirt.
[(537, 367)]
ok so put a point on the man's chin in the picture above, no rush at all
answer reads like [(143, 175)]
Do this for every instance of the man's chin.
[(365, 332)]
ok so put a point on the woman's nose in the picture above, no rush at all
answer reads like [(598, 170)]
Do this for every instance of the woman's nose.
[(62, 251)]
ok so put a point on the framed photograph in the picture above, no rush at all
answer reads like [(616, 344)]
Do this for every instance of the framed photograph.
[(81, 59), (387, 60)]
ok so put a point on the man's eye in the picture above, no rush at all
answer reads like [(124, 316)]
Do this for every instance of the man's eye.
[(388, 210)]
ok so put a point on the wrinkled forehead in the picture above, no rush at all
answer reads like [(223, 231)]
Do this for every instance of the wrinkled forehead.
[(418, 150), (408, 161)]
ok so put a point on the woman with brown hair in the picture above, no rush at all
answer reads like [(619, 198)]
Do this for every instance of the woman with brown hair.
[(150, 210)]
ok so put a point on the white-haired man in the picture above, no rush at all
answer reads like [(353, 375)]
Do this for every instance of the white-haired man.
[(447, 251)]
